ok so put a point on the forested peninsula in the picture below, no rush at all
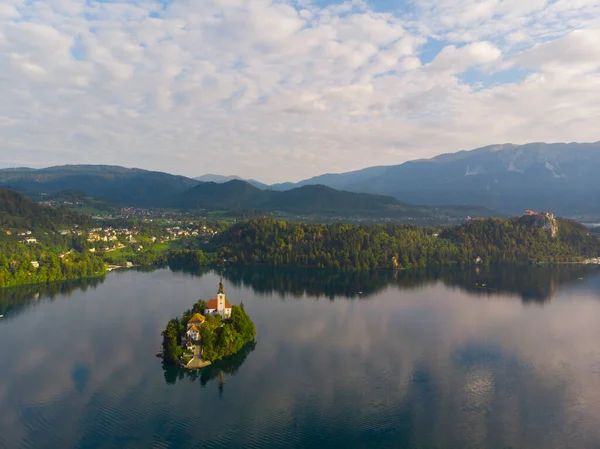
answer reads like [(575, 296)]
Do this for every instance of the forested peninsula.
[(537, 239)]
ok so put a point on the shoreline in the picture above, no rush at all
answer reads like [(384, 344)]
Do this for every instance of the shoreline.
[(586, 262)]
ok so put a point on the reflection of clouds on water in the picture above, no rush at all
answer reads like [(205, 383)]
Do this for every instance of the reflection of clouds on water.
[(433, 363), (539, 353)]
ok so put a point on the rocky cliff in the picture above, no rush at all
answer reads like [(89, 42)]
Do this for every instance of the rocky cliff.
[(541, 220)]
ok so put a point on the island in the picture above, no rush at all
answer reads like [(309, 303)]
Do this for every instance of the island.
[(209, 331)]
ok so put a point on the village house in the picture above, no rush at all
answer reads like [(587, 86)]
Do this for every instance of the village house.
[(193, 327)]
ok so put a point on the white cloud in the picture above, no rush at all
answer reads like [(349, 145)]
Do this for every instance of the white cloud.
[(234, 86), (457, 60), (577, 51)]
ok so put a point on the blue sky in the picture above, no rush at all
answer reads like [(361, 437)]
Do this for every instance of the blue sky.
[(284, 90)]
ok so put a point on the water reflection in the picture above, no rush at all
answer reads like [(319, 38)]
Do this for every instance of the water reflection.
[(218, 371), (15, 299), (423, 360), (536, 284), (530, 283)]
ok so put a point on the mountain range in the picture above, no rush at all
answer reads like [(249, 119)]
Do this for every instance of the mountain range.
[(87, 185), (561, 178), (119, 185), (310, 200)]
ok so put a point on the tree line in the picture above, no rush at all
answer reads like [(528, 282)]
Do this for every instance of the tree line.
[(365, 247)]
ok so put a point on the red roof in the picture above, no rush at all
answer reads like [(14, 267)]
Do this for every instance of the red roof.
[(212, 304)]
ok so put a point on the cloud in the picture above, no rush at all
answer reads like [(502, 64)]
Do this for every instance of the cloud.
[(577, 51), (232, 86), (457, 60)]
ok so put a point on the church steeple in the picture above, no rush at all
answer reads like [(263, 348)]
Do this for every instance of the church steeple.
[(221, 288), (221, 301)]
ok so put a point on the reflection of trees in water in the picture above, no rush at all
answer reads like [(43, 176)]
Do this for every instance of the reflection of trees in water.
[(196, 271), (324, 282), (15, 299), (531, 283), (218, 370)]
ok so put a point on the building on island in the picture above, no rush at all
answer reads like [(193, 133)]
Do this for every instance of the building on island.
[(219, 305), (193, 333), (193, 327)]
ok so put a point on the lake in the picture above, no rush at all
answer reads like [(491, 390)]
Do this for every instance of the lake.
[(479, 358)]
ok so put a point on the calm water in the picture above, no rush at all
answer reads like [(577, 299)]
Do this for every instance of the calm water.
[(419, 360)]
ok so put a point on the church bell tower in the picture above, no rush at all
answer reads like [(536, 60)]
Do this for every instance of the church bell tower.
[(221, 297)]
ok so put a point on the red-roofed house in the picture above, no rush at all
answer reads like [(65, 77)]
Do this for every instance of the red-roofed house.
[(219, 305), (193, 327), (193, 333)]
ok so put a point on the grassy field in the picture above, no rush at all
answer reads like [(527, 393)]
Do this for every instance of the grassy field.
[(129, 253)]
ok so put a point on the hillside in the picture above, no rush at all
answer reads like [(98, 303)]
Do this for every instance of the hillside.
[(485, 241), (220, 179), (18, 212), (317, 200), (509, 178), (93, 188), (119, 185), (234, 195)]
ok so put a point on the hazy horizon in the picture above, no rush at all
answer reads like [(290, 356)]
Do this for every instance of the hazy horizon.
[(249, 178)]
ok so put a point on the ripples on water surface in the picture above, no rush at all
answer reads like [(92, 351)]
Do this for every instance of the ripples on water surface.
[(419, 360)]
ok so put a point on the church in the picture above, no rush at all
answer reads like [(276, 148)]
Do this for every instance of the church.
[(216, 306), (219, 305)]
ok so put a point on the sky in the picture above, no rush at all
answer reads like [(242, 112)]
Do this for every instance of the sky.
[(288, 89)]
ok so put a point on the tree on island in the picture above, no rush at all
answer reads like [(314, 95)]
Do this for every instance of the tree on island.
[(220, 340), (172, 350)]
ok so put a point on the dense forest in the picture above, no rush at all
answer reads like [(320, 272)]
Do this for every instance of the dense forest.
[(51, 263), (279, 243), (16, 211), (219, 337)]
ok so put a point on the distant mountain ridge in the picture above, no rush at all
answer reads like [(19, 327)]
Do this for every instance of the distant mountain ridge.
[(561, 177), (141, 188), (312, 200), (119, 185), (220, 179)]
